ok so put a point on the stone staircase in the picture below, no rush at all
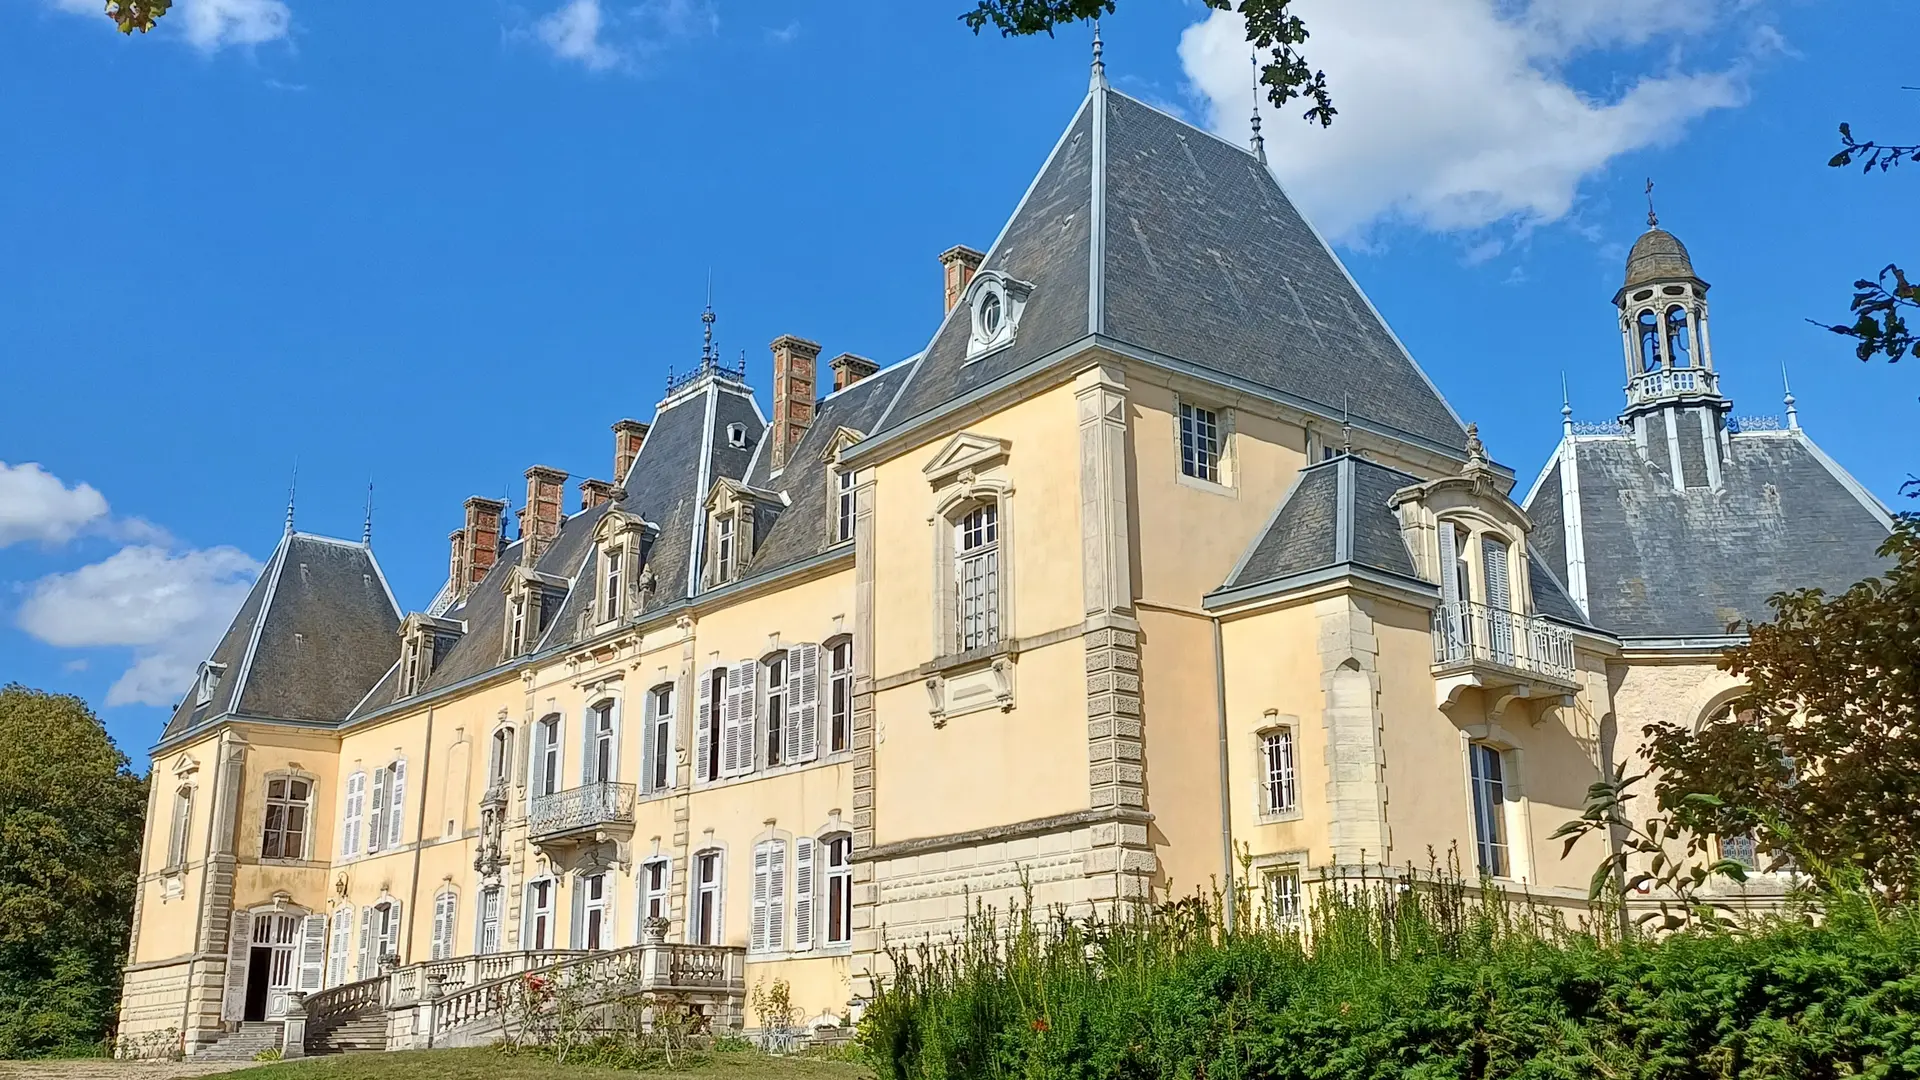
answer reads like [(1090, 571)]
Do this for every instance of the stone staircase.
[(246, 1043), (348, 1034)]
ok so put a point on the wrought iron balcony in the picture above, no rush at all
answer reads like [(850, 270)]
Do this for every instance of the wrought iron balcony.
[(1514, 656), (1667, 382), (583, 809)]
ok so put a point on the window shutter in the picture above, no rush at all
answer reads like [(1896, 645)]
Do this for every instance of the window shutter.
[(396, 818), (757, 934), (736, 744), (396, 926), (577, 926), (803, 703), (377, 816), (355, 805), (1449, 558), (239, 949), (313, 953), (367, 966), (342, 941), (777, 897), (439, 924), (649, 711), (703, 732), (803, 893), (1493, 557)]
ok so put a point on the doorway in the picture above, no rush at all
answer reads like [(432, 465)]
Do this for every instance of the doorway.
[(259, 974)]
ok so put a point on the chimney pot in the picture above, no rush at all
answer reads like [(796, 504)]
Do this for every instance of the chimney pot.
[(628, 435), (849, 369), (794, 360), (540, 517), (959, 264), (594, 492)]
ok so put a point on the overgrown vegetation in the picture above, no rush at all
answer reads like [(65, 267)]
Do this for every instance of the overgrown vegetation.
[(1403, 980), (483, 1064)]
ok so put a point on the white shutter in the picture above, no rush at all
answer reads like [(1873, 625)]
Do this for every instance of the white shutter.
[(649, 710), (803, 893), (803, 703), (367, 965), (395, 928), (577, 925), (736, 724), (342, 942), (703, 731), (356, 806), (313, 953), (589, 721), (442, 946), (777, 897), (1494, 557), (757, 934), (1449, 561), (377, 815), (239, 949), (396, 818)]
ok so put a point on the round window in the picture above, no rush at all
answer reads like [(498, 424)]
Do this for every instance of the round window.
[(989, 314)]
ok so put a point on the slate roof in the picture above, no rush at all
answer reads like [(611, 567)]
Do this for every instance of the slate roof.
[(1664, 563), (1154, 234), (1656, 255), (316, 630)]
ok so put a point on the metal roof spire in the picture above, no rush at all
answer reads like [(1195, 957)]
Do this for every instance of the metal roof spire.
[(293, 485), (1259, 143), (1653, 219), (1099, 79), (1793, 414), (707, 355), (366, 530), (1566, 407)]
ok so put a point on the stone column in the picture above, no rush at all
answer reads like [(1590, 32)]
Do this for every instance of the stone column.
[(866, 933), (207, 985)]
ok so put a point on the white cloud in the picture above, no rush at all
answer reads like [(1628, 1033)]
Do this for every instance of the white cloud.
[(600, 37), (1457, 115), (573, 33), (209, 25), (168, 607), (35, 505)]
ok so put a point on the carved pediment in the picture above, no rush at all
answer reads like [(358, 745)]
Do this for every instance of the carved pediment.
[(840, 439), (616, 523), (965, 452)]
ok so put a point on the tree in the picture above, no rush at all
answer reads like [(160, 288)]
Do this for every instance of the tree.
[(1271, 28), (71, 817), (1879, 326), (1820, 759)]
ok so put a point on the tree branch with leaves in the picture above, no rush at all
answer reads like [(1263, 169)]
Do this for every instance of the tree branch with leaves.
[(1880, 304)]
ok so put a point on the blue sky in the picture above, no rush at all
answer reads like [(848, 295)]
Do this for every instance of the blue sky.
[(434, 244)]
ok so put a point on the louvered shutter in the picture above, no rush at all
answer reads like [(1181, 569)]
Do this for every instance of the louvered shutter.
[(239, 950), (1493, 557), (377, 814), (777, 897), (649, 710), (313, 953), (396, 818), (757, 933), (366, 966), (736, 730), (703, 729), (342, 941), (439, 925), (1449, 561), (392, 944), (355, 806), (803, 893), (577, 926), (803, 703), (588, 720)]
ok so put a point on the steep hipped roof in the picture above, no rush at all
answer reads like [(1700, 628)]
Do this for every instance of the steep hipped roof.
[(1154, 235), (316, 630), (1663, 563)]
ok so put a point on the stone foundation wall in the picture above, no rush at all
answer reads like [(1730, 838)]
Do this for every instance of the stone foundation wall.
[(153, 1001)]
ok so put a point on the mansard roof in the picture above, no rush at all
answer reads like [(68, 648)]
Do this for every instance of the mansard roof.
[(1665, 563), (314, 632), (1158, 238)]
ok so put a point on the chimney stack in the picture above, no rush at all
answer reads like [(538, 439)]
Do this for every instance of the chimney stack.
[(594, 492), (960, 263), (627, 437), (481, 540), (793, 380), (457, 563), (849, 369), (540, 518)]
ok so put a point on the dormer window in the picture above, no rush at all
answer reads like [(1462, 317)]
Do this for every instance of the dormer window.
[(610, 585), (410, 666), (843, 506), (995, 303), (723, 548), (425, 640), (209, 681), (620, 586), (737, 436)]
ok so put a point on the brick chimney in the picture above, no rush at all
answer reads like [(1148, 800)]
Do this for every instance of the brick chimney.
[(594, 492), (793, 380), (627, 437), (849, 369), (960, 263), (481, 540), (540, 518), (457, 561)]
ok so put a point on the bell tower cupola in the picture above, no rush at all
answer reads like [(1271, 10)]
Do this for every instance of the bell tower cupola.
[(1674, 409)]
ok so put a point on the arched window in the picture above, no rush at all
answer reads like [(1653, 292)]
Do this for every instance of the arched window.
[(487, 924), (1649, 341), (839, 694), (1487, 771), (976, 548), (706, 922), (837, 886), (657, 739), (444, 910), (1679, 352), (774, 679), (182, 826), (539, 933), (656, 878), (593, 910), (289, 806), (379, 934), (500, 758)]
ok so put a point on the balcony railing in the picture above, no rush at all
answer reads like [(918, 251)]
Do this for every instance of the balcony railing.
[(578, 809), (1649, 385), (1476, 633)]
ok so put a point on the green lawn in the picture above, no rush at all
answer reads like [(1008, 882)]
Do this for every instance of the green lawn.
[(485, 1064)]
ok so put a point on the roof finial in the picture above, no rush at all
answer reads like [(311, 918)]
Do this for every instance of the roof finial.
[(1566, 407), (707, 355), (1099, 80), (293, 485), (1653, 219), (366, 531), (1346, 424), (1793, 414), (1259, 143)]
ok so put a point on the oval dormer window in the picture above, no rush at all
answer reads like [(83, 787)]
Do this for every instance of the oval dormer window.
[(991, 314)]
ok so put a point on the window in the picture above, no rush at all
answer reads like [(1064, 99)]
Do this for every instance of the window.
[(737, 436), (1649, 326), (540, 915), (977, 570), (379, 935), (991, 313), (653, 889), (1677, 338), (500, 760), (1282, 890), (355, 806), (1495, 556), (1489, 808), (712, 724), (209, 681), (610, 597), (487, 932), (410, 666), (182, 826), (844, 503), (285, 834), (776, 709), (600, 764), (389, 797), (1278, 794), (591, 930), (659, 738), (723, 550), (1740, 849), (768, 933), (840, 695), (546, 762), (839, 888), (517, 624), (706, 898), (339, 943), (1199, 443), (443, 922), (736, 720)]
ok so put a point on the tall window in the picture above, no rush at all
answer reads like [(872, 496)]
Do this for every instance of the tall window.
[(769, 925), (776, 710), (659, 738), (1649, 327), (384, 819), (593, 931), (712, 721), (1678, 338), (1282, 889), (546, 763), (977, 558), (840, 695), (706, 898), (500, 761), (1488, 771), (517, 624), (1277, 773), (410, 665), (182, 826), (487, 936), (843, 517), (600, 763), (610, 599), (339, 943), (653, 889), (285, 836), (839, 888), (443, 922), (540, 915), (379, 935), (1199, 442), (723, 550)]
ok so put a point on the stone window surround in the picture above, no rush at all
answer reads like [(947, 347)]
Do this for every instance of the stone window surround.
[(313, 815), (186, 773), (1271, 722), (757, 739), (1518, 815), (834, 827), (598, 693), (954, 499), (1228, 483), (1274, 861), (708, 845)]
